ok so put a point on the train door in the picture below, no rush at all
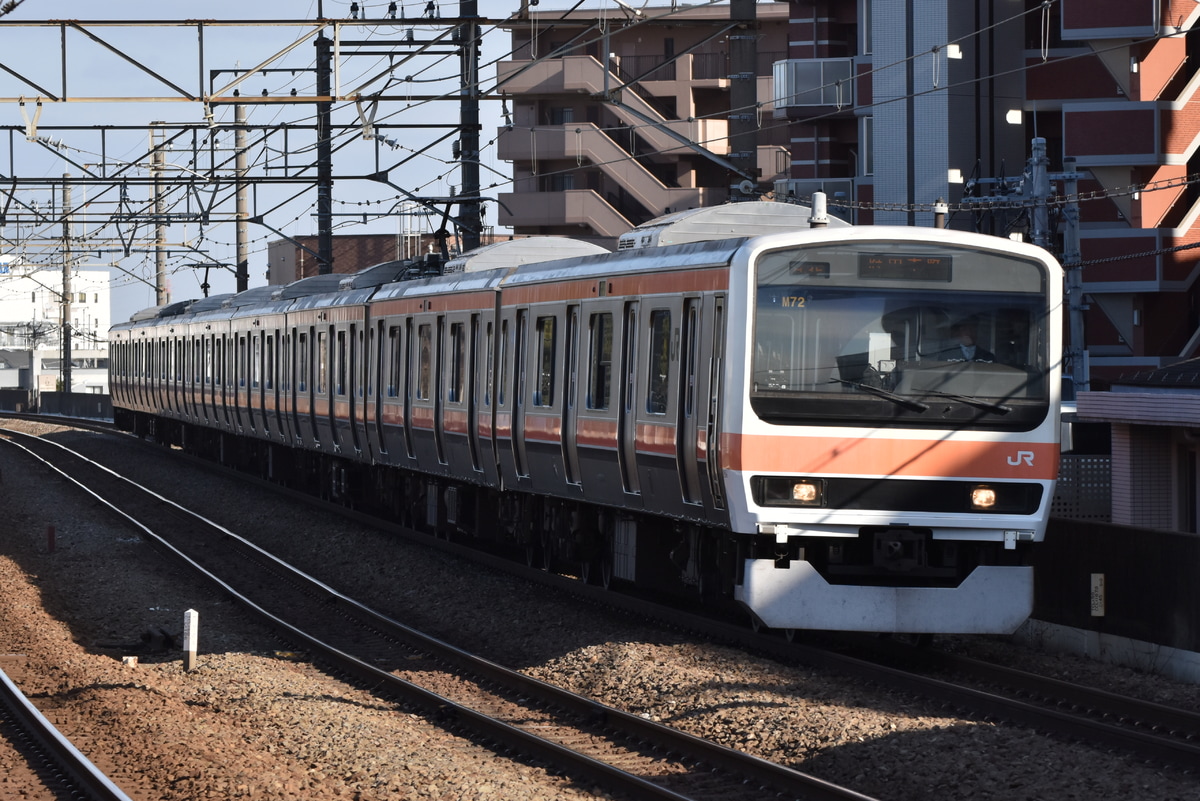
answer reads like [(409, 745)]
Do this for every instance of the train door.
[(472, 378), (687, 446), (228, 379), (244, 408), (519, 379), (323, 422), (273, 379), (570, 443), (410, 366), (203, 375), (262, 381), (627, 411), (353, 387), (439, 390), (307, 379), (381, 348), (712, 435), (177, 364)]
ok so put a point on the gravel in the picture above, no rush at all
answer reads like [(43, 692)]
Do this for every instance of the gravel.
[(255, 720)]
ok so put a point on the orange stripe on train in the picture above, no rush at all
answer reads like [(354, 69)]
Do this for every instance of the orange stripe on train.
[(861, 456)]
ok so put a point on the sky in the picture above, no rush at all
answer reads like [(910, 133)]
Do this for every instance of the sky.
[(71, 139)]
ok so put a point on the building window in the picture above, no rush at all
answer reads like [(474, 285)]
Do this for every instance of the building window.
[(866, 145)]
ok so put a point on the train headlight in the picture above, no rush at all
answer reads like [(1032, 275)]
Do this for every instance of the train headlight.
[(807, 493), (983, 498), (788, 491)]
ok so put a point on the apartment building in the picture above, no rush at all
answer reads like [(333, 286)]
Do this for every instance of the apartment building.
[(616, 116), (896, 104)]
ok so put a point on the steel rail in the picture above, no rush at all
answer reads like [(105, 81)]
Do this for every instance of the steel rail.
[(87, 777), (442, 709)]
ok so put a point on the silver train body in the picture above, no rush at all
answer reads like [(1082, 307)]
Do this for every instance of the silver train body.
[(783, 421)]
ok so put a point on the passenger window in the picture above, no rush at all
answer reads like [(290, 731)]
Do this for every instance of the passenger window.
[(341, 362), (395, 356), (425, 362), (322, 361), (600, 361), (659, 361), (303, 360), (489, 381), (503, 360), (458, 347), (543, 394)]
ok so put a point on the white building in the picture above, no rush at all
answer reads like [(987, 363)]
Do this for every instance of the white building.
[(31, 305)]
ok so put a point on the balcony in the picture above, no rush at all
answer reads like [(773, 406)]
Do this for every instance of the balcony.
[(575, 208), (814, 85)]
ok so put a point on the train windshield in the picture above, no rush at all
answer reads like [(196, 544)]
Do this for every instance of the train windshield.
[(900, 334)]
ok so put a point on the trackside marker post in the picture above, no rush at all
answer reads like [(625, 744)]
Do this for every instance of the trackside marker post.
[(191, 636)]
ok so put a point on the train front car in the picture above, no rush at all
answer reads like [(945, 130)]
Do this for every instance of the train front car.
[(890, 436)]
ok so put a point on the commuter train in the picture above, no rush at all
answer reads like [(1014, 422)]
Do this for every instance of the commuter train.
[(785, 421)]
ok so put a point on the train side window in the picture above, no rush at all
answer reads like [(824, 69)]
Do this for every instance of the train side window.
[(340, 365), (490, 378), (269, 371), (303, 361), (322, 361), (458, 359), (543, 394), (425, 362), (256, 356), (503, 360), (658, 362), (395, 356), (600, 361)]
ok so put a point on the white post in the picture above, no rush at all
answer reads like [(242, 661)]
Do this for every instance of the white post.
[(191, 636)]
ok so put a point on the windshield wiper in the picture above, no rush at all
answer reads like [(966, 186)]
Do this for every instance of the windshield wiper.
[(996, 408), (899, 400)]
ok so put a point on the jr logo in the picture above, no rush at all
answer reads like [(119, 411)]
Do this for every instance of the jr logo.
[(1025, 457)]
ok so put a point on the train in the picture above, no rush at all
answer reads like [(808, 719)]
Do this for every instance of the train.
[(788, 421)]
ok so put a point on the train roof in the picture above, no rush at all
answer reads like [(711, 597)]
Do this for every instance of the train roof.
[(378, 275), (313, 285), (515, 252), (751, 218), (690, 255), (211, 303)]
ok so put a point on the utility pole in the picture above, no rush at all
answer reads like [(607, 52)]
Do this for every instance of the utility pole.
[(1032, 191), (470, 213), (66, 285), (242, 271), (157, 167), (1071, 262), (324, 159), (743, 99)]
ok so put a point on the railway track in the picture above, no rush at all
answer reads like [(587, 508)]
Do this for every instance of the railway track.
[(625, 753), (60, 768), (976, 689)]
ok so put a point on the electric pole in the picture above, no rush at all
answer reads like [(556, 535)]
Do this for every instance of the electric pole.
[(1032, 193), (66, 285), (324, 159), (157, 167), (743, 99), (242, 213), (470, 215)]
